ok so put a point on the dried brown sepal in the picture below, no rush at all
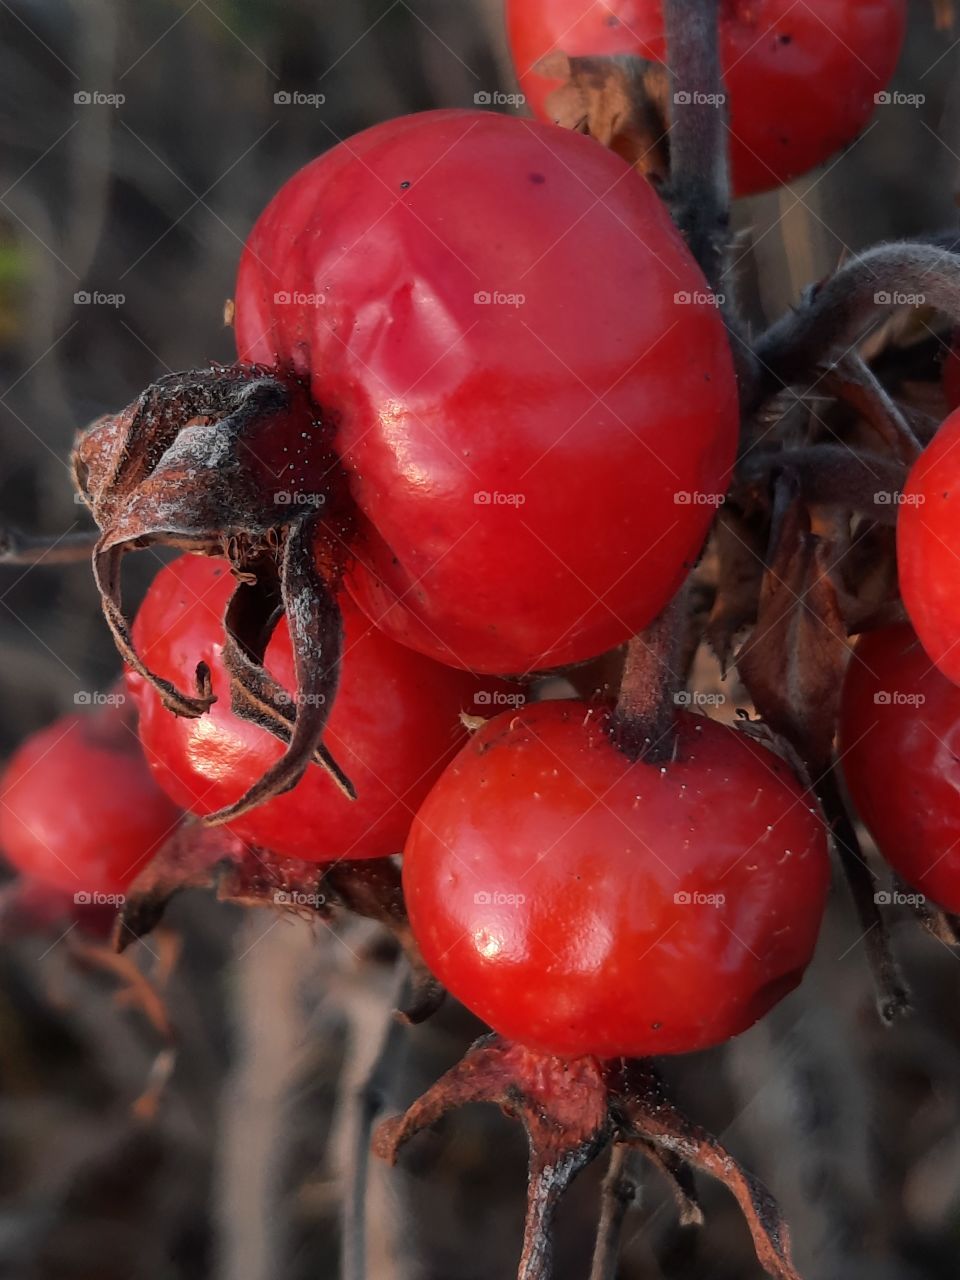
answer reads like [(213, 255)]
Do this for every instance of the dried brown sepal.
[(562, 1105), (621, 101), (794, 659), (372, 888), (135, 990), (738, 544), (190, 859), (852, 380), (187, 465), (107, 567), (316, 637), (671, 1167), (571, 1110), (834, 475), (646, 1112)]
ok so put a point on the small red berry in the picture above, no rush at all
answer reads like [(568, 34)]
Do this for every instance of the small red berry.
[(928, 535), (394, 725), (79, 810), (900, 755)]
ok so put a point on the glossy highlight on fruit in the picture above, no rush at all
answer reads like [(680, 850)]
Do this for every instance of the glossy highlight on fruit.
[(532, 388), (900, 755), (801, 78), (79, 810), (928, 547), (393, 727), (583, 904)]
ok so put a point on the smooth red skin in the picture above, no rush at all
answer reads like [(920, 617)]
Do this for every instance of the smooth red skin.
[(928, 538), (394, 725), (792, 104), (79, 810), (600, 959), (901, 763), (437, 398)]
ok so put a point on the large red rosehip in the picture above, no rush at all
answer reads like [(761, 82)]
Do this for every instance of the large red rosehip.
[(532, 389), (584, 904)]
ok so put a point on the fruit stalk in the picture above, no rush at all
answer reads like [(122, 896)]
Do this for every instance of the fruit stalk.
[(699, 194)]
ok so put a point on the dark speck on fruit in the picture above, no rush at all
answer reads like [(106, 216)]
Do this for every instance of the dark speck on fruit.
[(785, 39), (537, 178), (404, 186), (612, 20)]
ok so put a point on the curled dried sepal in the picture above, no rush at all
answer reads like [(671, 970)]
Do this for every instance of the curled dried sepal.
[(563, 1107), (195, 463), (647, 1114), (316, 637), (571, 1109), (190, 859)]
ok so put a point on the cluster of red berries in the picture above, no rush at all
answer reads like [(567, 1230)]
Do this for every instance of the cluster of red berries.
[(483, 413), (532, 460)]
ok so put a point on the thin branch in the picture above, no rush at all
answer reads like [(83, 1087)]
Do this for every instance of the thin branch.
[(642, 722), (618, 1193), (369, 1101), (699, 186), (67, 548)]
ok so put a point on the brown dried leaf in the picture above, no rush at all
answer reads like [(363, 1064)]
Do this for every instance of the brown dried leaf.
[(793, 661), (647, 1114), (621, 101), (563, 1107), (737, 544)]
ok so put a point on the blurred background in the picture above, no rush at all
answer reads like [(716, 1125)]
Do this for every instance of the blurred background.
[(139, 142)]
